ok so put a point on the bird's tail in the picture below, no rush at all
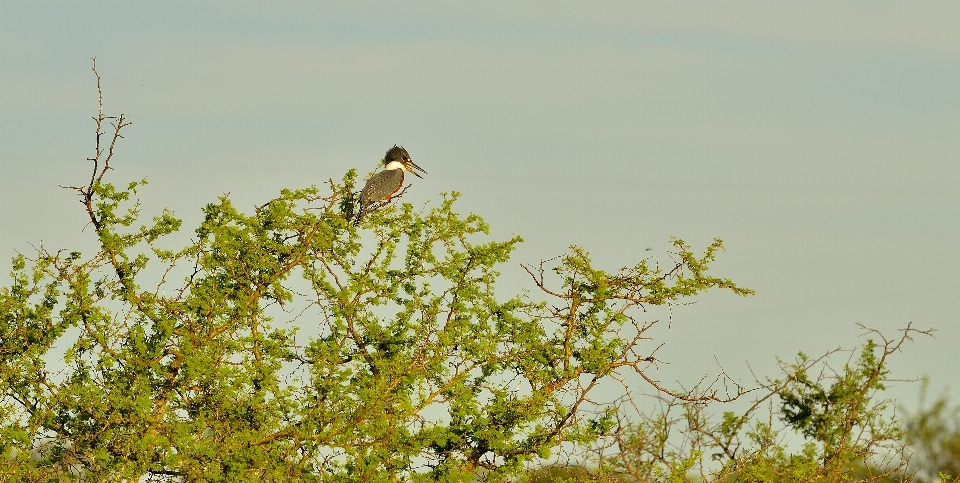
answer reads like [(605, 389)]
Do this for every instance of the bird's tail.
[(352, 208), (356, 220)]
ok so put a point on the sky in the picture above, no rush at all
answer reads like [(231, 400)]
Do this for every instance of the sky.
[(819, 140)]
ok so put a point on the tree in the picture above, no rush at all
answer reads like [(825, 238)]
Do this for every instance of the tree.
[(813, 424), (934, 434), (419, 371)]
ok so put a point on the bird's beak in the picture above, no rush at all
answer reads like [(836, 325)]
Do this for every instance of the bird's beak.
[(412, 164)]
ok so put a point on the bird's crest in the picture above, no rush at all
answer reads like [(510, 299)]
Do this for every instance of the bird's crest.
[(396, 153)]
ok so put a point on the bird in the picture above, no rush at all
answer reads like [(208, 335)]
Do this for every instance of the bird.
[(383, 185)]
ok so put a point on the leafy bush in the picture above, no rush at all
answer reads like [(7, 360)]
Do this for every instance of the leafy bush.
[(186, 363)]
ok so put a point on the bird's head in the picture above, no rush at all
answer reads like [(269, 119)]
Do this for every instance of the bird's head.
[(397, 154)]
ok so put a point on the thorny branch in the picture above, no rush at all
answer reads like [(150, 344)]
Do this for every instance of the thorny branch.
[(629, 295), (101, 164)]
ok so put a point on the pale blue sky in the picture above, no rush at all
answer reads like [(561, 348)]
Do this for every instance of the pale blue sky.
[(820, 140)]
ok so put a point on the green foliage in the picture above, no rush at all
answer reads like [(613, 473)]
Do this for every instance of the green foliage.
[(289, 344), (188, 364), (571, 474), (934, 433), (836, 428)]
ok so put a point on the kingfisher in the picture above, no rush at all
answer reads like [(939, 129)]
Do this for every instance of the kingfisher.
[(383, 185)]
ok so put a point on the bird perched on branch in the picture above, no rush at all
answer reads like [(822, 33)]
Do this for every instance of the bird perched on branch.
[(383, 185)]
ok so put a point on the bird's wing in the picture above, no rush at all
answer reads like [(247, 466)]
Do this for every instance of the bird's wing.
[(381, 185)]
